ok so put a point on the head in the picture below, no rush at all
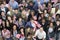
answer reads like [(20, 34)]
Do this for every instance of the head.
[(31, 3), (28, 29), (32, 12), (43, 20), (14, 27), (41, 29), (4, 2), (7, 22), (16, 11), (4, 29), (21, 29), (57, 16), (49, 18), (14, 17), (9, 18), (3, 13), (20, 19), (0, 21), (49, 4), (44, 5), (42, 15), (2, 5), (45, 11), (3, 22), (51, 24), (58, 22)]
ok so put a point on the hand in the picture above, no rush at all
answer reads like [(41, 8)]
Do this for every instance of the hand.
[(34, 38)]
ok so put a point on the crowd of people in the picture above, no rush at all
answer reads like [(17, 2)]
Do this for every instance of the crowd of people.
[(30, 19)]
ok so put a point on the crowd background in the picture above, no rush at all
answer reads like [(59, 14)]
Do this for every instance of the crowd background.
[(30, 19)]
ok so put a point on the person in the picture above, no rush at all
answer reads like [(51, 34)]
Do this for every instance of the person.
[(57, 29), (3, 15), (14, 32), (13, 4), (3, 8), (6, 34), (8, 25), (51, 31), (22, 34), (21, 23), (40, 34)]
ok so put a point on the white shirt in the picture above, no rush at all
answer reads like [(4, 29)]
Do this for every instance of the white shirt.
[(40, 35), (50, 30), (3, 9)]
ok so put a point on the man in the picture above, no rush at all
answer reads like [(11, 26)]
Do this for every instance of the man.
[(40, 34), (3, 8), (13, 4)]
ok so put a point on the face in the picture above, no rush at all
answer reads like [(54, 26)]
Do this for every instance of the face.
[(4, 29), (51, 24), (58, 22), (22, 30), (21, 8), (20, 19), (43, 21), (42, 15), (31, 4), (28, 29), (41, 29), (44, 5), (9, 18), (4, 2), (3, 14), (3, 23), (49, 18), (45, 11), (32, 13), (14, 27), (14, 17), (49, 4), (0, 21), (7, 23), (2, 5), (35, 18), (16, 11)]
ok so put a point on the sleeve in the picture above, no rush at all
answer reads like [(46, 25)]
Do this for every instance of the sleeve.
[(2, 33), (44, 35), (36, 33), (17, 5)]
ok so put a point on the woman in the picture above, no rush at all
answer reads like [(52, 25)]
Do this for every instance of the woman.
[(21, 23), (51, 31), (14, 32), (22, 36), (7, 25)]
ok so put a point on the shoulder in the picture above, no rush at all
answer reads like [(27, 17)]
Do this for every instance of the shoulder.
[(16, 2), (8, 31), (44, 32), (37, 30), (2, 30)]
